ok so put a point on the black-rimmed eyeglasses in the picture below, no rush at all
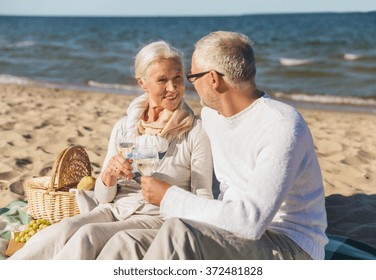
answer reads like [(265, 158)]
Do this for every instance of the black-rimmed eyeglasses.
[(193, 77)]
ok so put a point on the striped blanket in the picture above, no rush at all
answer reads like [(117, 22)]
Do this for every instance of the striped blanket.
[(343, 248), (11, 216), (338, 248)]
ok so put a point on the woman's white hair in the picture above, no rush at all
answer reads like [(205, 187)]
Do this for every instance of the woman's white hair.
[(229, 53), (153, 52)]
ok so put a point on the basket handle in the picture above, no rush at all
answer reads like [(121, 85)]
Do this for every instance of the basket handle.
[(55, 170)]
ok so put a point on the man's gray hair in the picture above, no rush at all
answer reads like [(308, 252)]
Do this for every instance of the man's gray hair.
[(229, 53), (153, 52)]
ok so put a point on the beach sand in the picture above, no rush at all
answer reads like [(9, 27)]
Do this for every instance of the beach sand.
[(37, 123)]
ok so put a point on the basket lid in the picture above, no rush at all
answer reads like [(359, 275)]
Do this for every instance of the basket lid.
[(70, 166)]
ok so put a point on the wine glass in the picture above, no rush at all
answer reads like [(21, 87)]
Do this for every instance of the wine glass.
[(146, 158), (125, 144)]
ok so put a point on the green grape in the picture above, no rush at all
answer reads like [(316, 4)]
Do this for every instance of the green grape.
[(31, 229)]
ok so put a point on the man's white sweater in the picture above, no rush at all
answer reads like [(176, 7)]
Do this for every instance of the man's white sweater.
[(265, 161)]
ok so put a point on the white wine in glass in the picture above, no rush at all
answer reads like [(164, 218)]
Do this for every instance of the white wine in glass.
[(125, 145), (146, 158), (146, 166)]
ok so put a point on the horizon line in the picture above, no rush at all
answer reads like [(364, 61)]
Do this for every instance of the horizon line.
[(184, 15)]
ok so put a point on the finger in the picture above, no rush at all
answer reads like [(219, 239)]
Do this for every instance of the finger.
[(119, 159), (144, 181), (116, 168), (122, 165), (128, 175), (116, 171), (125, 163), (145, 195)]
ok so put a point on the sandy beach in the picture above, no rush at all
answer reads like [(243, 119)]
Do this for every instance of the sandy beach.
[(37, 123)]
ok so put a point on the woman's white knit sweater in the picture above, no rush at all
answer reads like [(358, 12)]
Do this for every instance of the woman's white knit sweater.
[(265, 161), (186, 163)]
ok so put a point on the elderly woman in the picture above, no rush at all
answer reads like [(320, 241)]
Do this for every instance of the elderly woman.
[(160, 114)]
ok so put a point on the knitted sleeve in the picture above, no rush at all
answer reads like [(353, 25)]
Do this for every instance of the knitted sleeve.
[(248, 210), (105, 194)]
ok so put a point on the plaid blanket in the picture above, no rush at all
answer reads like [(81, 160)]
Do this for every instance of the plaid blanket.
[(343, 248), (11, 216)]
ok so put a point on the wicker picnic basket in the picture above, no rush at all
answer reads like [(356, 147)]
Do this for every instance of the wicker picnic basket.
[(49, 197)]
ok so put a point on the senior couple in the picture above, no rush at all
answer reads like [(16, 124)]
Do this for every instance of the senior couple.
[(271, 202)]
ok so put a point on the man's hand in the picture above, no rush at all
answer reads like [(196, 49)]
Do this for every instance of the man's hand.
[(153, 189)]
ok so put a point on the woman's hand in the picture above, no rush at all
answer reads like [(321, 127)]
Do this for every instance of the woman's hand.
[(153, 189), (117, 167)]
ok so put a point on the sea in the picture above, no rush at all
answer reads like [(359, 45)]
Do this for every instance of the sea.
[(317, 60)]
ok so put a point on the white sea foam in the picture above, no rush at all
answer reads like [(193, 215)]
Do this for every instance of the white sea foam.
[(351, 56), (327, 99), (24, 44), (293, 61), (10, 79), (111, 86)]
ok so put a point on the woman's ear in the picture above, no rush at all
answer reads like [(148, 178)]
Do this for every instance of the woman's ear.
[(142, 84)]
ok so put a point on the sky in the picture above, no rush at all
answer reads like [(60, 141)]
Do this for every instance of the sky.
[(178, 7)]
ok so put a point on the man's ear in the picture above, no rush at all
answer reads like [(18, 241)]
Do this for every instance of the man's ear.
[(217, 82), (142, 84), (214, 79)]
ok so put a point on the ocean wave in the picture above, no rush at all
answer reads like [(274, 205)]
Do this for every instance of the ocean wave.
[(327, 99), (10, 79), (351, 56), (294, 61), (91, 85), (24, 44), (111, 86), (369, 102)]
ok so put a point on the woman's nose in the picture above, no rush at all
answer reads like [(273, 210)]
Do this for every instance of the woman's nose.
[(171, 86)]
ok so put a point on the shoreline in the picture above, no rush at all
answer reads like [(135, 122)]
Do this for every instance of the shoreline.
[(301, 100), (36, 123)]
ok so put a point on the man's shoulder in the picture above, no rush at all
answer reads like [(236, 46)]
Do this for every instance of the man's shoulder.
[(280, 109)]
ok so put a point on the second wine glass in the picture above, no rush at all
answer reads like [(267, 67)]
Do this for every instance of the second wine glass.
[(146, 158)]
